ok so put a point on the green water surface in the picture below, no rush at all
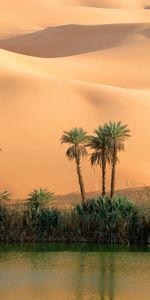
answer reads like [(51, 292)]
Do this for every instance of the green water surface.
[(81, 272)]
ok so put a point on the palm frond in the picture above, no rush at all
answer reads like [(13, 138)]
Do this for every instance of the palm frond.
[(96, 158), (71, 153), (98, 143), (77, 138), (74, 136)]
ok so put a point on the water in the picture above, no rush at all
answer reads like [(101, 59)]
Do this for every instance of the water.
[(44, 272)]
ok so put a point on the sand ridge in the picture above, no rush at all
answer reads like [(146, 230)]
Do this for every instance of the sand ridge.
[(51, 42)]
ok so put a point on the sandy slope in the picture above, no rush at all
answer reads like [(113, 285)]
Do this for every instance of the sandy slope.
[(80, 70), (79, 39), (33, 16), (113, 3)]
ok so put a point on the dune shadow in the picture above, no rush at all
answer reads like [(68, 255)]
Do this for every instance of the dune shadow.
[(68, 40)]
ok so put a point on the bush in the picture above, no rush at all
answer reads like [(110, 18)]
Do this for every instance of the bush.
[(103, 220), (40, 198), (4, 198), (107, 220), (40, 220)]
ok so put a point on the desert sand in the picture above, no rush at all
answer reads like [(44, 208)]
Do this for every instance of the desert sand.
[(67, 63)]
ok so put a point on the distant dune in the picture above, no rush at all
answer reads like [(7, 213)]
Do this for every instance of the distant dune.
[(113, 3), (17, 18), (71, 63), (70, 40)]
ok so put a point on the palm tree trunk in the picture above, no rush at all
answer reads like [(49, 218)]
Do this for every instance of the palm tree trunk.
[(80, 179), (103, 175), (113, 171)]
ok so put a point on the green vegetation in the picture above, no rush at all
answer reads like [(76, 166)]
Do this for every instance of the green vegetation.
[(107, 141), (106, 219), (5, 197), (103, 220), (38, 217), (40, 198)]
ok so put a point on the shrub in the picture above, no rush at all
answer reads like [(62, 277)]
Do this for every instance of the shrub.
[(41, 220), (107, 220), (40, 198), (102, 220), (4, 198)]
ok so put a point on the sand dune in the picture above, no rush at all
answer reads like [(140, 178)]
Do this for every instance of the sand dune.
[(73, 63), (131, 70), (52, 42), (28, 103), (114, 3), (17, 18)]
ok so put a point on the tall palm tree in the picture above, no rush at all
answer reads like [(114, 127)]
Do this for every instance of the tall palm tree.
[(116, 133), (101, 154), (77, 139)]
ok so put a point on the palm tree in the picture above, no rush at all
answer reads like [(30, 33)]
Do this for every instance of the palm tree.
[(77, 139), (116, 134), (101, 154)]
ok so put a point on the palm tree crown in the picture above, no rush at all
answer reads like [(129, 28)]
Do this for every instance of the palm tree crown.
[(77, 138), (116, 133), (98, 143)]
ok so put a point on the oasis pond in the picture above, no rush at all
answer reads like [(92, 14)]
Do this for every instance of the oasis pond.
[(80, 272)]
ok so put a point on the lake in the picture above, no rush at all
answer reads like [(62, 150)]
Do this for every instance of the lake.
[(80, 272)]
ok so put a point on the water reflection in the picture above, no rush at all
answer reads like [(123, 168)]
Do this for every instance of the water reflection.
[(107, 277), (73, 272)]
